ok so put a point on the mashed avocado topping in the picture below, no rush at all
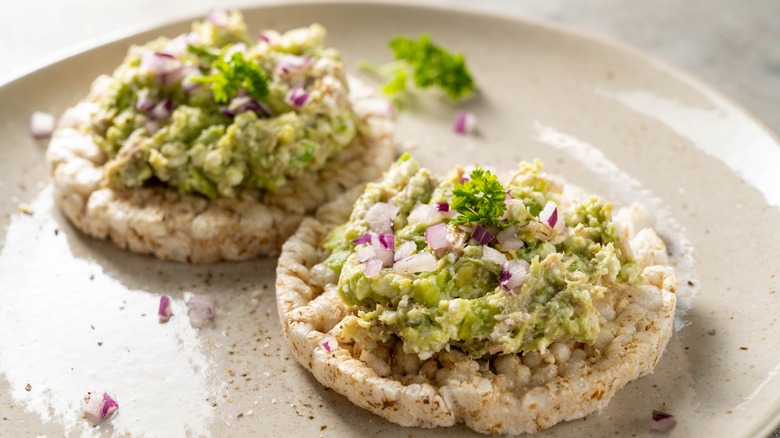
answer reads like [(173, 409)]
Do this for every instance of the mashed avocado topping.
[(467, 261), (213, 113)]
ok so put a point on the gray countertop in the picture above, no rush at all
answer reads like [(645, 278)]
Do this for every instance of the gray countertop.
[(733, 45)]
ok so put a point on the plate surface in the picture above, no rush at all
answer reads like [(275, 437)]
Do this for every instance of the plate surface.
[(77, 314)]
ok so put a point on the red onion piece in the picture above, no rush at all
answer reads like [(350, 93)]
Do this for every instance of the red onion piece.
[(162, 110), (200, 309), (436, 236), (405, 250), (145, 101), (493, 255), (465, 123), (481, 235), (329, 343), (365, 253), (366, 238), (287, 64), (98, 408), (512, 274), (384, 255), (164, 310), (158, 63), (442, 206), (550, 216), (41, 125), (270, 36), (297, 97), (420, 262), (380, 217), (508, 239), (661, 421), (217, 17), (373, 267), (387, 241)]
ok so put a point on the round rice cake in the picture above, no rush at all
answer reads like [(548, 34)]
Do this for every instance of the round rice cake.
[(191, 228), (496, 394)]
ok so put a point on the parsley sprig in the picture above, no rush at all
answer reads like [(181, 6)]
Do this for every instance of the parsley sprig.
[(428, 64), (479, 200), (235, 74)]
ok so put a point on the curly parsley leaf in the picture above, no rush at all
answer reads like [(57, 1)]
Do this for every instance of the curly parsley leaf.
[(428, 64), (479, 200), (233, 75)]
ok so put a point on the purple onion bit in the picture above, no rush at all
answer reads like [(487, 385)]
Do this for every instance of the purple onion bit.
[(297, 97), (217, 17), (109, 406), (164, 311), (366, 238), (481, 235), (661, 421), (442, 206), (387, 241)]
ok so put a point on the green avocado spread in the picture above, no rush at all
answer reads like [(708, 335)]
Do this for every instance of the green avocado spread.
[(508, 278), (214, 113)]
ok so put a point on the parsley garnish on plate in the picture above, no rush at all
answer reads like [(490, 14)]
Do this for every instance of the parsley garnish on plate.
[(235, 74), (479, 200), (428, 64)]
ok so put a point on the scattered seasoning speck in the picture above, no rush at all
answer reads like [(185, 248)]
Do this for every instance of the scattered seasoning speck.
[(56, 231), (240, 414), (91, 277), (24, 208), (711, 332), (100, 343), (323, 427), (28, 388), (743, 348)]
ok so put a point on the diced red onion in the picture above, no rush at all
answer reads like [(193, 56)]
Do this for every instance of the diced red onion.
[(162, 110), (297, 97), (158, 63), (405, 250), (380, 217), (436, 236), (384, 255), (420, 262), (465, 122), (373, 267), (365, 253), (493, 255), (508, 239), (366, 238), (176, 46), (464, 179), (287, 64), (512, 274), (217, 17), (387, 241), (145, 101), (270, 36), (98, 408), (661, 421), (329, 343), (481, 235), (550, 216), (243, 103), (41, 125), (200, 309), (442, 206), (507, 203), (164, 310)]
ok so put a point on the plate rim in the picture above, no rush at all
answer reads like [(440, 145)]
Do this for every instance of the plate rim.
[(51, 61)]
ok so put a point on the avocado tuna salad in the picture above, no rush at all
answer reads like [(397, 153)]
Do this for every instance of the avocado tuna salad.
[(210, 128), (501, 300)]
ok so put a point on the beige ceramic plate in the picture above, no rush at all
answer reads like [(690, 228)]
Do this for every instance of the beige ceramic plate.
[(77, 314)]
